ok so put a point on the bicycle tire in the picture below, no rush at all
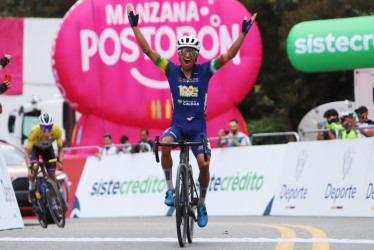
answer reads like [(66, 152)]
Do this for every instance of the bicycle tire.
[(41, 216), (180, 205), (57, 216), (192, 207)]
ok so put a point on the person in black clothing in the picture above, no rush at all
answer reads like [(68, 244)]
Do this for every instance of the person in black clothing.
[(145, 144), (4, 61)]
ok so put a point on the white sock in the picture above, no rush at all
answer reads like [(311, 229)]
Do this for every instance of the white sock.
[(201, 201), (31, 185), (169, 177)]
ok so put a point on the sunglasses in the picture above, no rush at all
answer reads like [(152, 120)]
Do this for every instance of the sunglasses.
[(45, 127), (184, 51)]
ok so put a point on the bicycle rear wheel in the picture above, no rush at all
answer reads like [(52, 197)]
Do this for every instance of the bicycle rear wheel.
[(181, 203), (58, 215)]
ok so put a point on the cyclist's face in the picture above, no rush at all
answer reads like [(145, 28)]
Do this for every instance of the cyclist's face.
[(187, 56), (47, 133)]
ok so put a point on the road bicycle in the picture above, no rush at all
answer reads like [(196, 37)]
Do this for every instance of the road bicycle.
[(45, 189), (186, 195)]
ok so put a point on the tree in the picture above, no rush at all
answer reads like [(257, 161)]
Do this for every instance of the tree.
[(35, 8), (281, 93)]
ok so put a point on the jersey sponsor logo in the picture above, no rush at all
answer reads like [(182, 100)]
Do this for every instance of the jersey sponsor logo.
[(188, 91), (190, 103)]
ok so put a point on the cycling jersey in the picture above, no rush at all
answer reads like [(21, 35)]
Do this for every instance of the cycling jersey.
[(189, 97), (36, 137)]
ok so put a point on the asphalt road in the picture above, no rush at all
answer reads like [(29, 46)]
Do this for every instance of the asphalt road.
[(240, 232)]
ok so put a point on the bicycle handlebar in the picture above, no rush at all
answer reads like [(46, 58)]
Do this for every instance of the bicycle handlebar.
[(45, 162), (179, 144)]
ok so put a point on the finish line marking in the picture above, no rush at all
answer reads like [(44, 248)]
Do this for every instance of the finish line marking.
[(212, 240)]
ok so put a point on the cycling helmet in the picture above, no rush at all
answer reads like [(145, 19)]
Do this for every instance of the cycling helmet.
[(45, 119), (188, 41)]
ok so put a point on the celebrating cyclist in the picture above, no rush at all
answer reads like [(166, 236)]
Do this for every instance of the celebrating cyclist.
[(39, 143), (188, 83)]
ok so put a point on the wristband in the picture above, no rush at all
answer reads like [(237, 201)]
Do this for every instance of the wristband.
[(133, 19)]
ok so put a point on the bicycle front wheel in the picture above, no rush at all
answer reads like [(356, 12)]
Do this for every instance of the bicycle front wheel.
[(192, 204), (42, 214), (181, 204), (58, 215)]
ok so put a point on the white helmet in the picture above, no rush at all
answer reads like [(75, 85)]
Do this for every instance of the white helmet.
[(45, 119), (188, 41)]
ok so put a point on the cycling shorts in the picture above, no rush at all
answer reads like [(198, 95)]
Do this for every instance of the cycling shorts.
[(47, 154), (191, 130)]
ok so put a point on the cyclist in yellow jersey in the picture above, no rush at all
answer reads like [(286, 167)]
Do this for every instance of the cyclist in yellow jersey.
[(39, 143)]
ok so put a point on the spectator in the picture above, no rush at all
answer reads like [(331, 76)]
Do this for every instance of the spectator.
[(109, 148), (363, 122), (332, 122), (4, 61), (349, 122), (145, 144), (127, 148), (234, 137)]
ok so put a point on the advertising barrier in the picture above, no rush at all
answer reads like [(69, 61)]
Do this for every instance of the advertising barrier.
[(330, 178), (134, 185), (10, 216), (315, 178), (332, 45)]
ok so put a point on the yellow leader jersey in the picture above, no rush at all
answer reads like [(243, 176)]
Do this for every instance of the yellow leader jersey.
[(36, 137)]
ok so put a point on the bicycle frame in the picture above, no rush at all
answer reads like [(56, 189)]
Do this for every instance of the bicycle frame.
[(186, 193)]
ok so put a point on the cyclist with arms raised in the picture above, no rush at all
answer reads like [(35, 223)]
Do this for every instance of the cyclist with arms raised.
[(189, 85), (39, 143)]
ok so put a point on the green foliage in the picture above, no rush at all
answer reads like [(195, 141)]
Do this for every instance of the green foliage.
[(267, 124), (35, 8), (281, 92)]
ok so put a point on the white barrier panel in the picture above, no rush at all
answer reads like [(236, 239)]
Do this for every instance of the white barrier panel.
[(242, 183), (120, 185), (243, 179), (367, 205), (10, 216), (326, 179)]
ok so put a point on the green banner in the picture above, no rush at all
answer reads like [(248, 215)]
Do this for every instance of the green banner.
[(332, 45)]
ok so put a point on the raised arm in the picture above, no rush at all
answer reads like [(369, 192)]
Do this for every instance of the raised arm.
[(234, 49), (153, 55)]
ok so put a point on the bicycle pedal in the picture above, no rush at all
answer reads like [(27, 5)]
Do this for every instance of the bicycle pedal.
[(37, 195)]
